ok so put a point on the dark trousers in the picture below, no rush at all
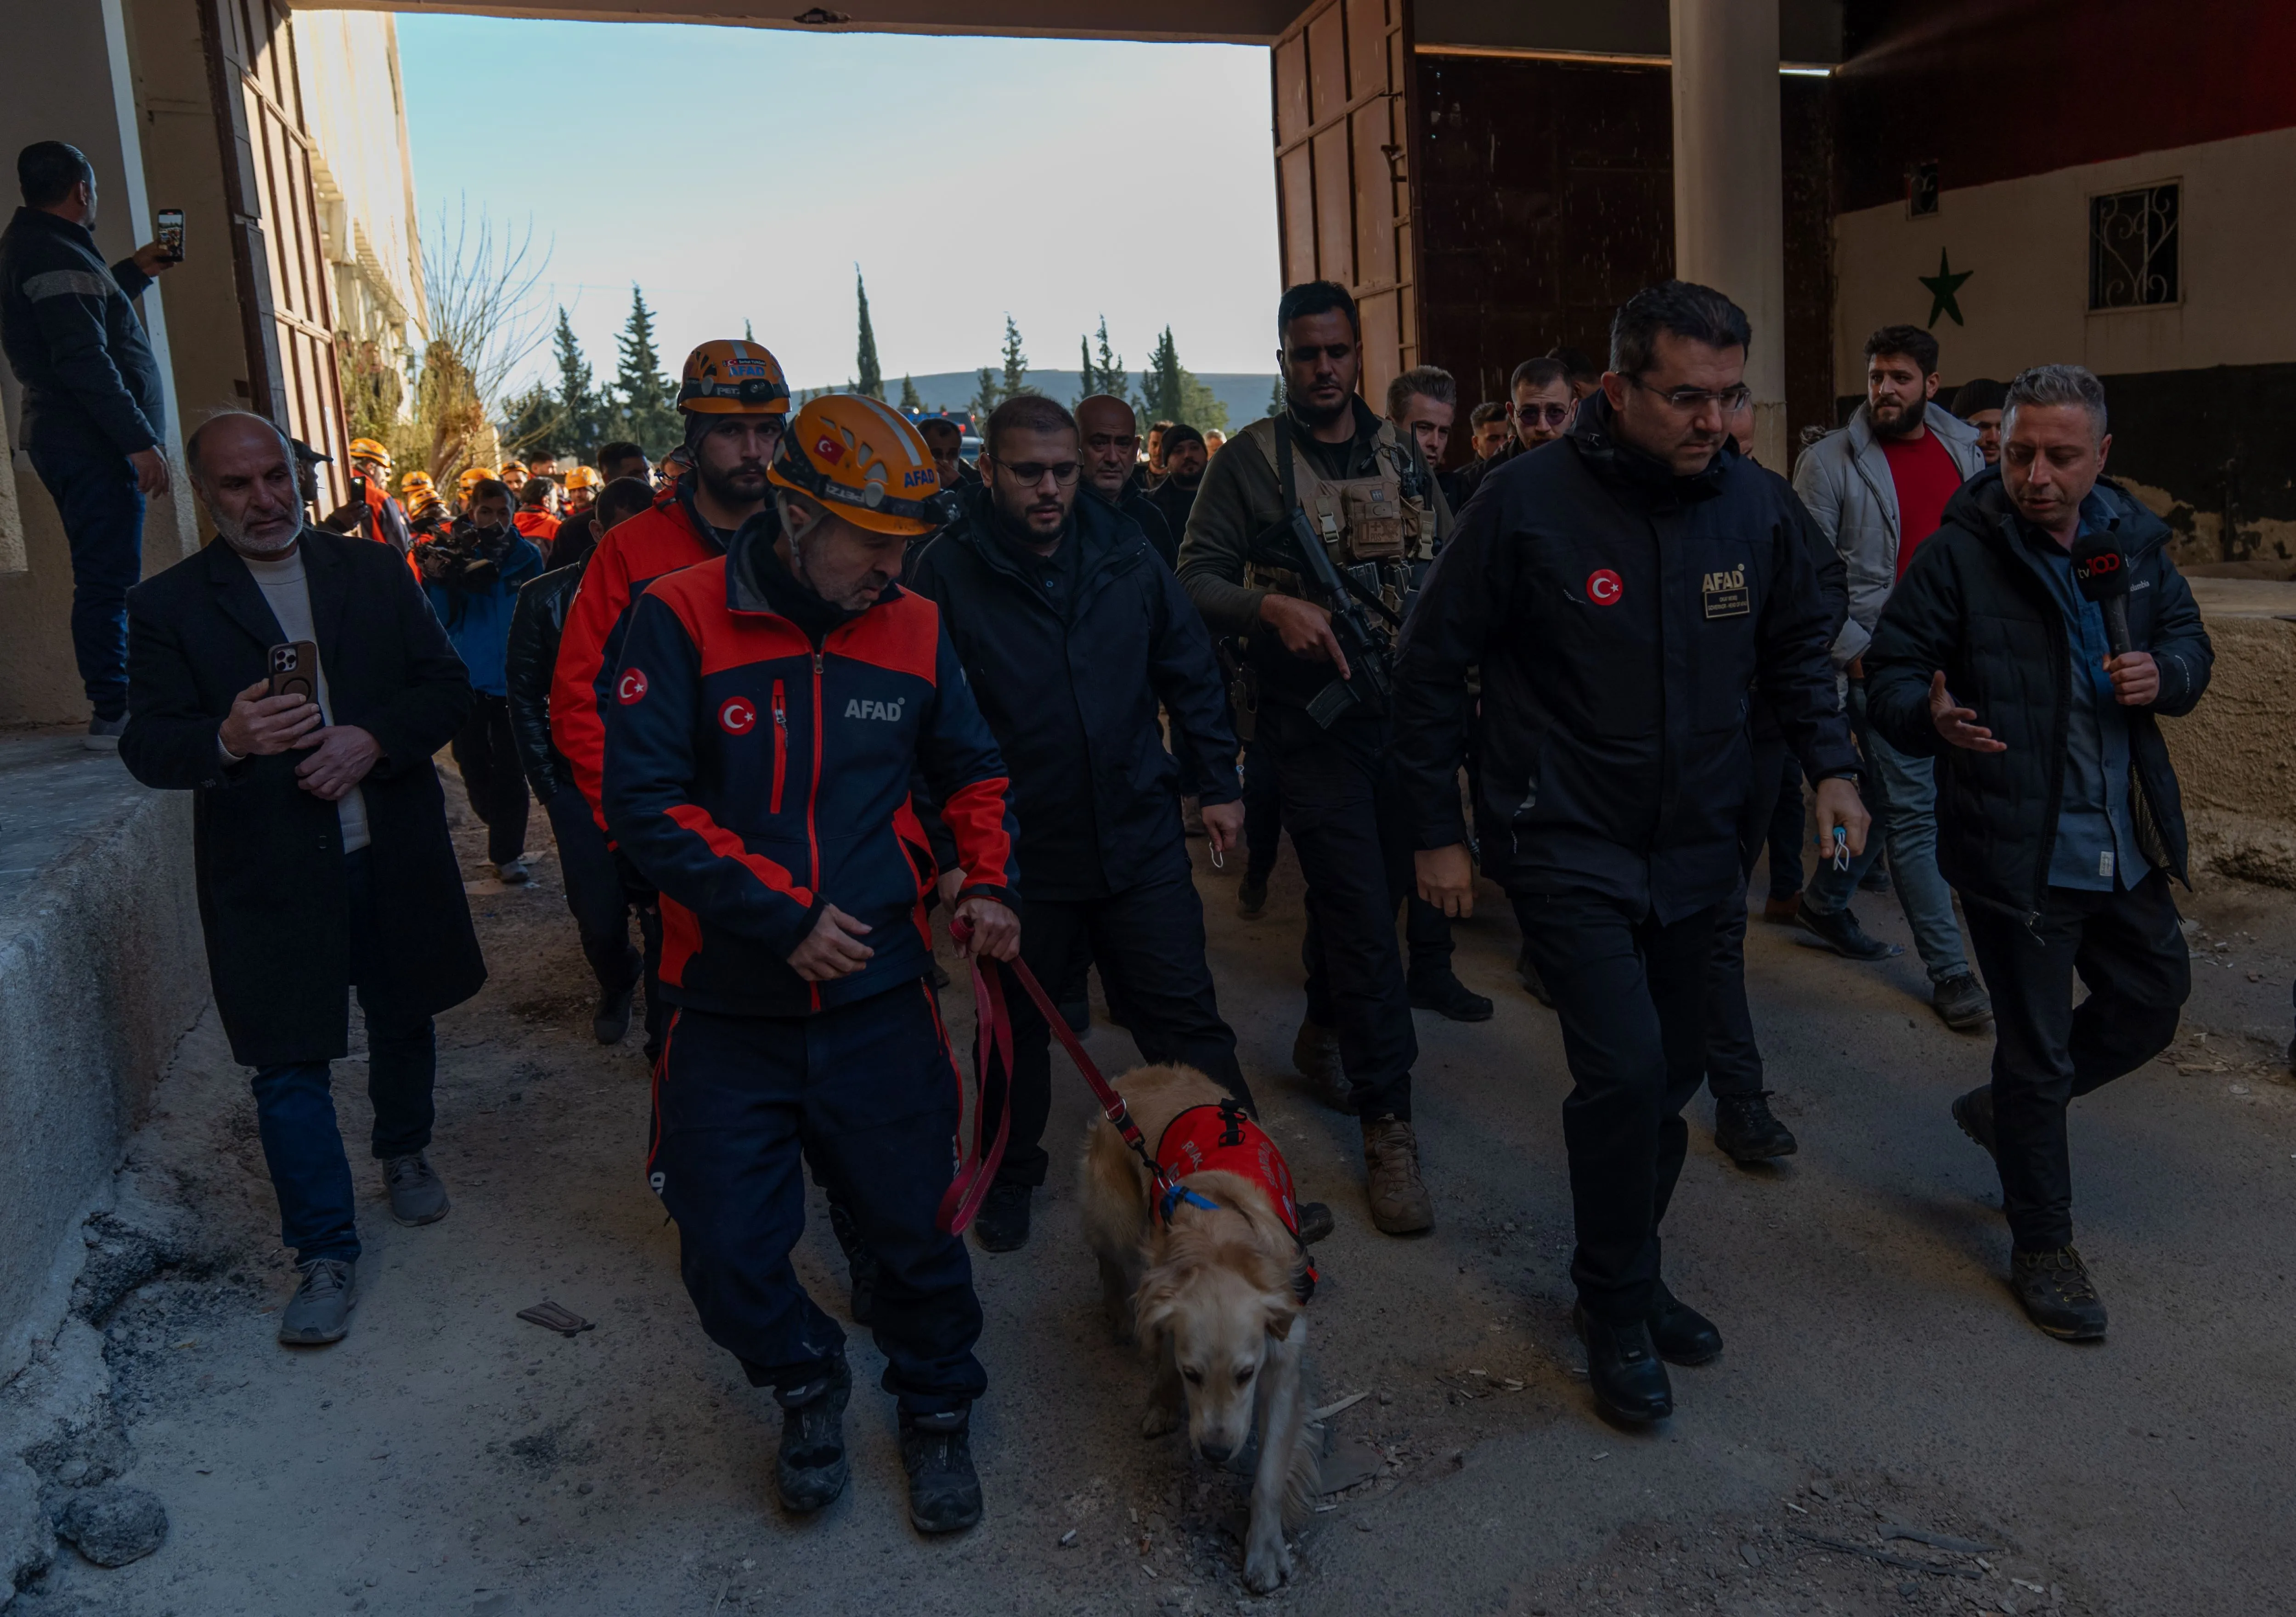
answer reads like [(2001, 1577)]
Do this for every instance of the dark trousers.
[(1149, 944), (1263, 813), (2129, 949), (1631, 995), (1350, 831), (486, 753), (867, 1093), (602, 889), (95, 494), (295, 1102), (1789, 820), (1734, 1061)]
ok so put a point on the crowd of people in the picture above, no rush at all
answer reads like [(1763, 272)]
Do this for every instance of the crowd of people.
[(818, 676)]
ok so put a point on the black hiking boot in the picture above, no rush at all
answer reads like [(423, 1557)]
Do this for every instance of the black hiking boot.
[(1623, 1370), (1974, 1112), (810, 1469), (1527, 973), (944, 1489), (1841, 932), (1443, 992), (1002, 1224), (1746, 1130), (1680, 1332), (1250, 896), (2054, 1288), (1316, 1222)]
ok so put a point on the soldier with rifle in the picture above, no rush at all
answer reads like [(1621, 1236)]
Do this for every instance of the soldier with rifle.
[(1307, 539)]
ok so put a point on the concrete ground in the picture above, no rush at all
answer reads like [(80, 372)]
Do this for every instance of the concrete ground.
[(448, 1459)]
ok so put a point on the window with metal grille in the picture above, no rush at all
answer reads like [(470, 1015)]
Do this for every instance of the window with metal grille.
[(2132, 248)]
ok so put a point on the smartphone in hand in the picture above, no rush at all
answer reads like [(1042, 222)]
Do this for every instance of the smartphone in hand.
[(171, 234), (295, 670)]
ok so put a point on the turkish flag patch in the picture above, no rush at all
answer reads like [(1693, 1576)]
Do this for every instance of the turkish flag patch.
[(1603, 587), (738, 715), (631, 687)]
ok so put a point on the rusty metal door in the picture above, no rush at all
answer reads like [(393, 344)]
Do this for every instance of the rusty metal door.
[(286, 294), (1342, 77)]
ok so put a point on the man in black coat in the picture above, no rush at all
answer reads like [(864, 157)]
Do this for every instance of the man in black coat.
[(1071, 631), (319, 832), (1626, 590), (2059, 820)]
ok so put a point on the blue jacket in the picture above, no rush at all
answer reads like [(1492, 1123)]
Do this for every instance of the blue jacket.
[(760, 748), (478, 621)]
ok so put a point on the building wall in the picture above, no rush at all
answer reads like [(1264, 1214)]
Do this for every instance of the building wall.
[(1546, 199), (2202, 391)]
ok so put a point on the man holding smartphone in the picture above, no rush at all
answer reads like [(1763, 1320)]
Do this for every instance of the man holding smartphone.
[(95, 407), (296, 682)]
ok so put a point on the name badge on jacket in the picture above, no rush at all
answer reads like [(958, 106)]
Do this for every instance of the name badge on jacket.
[(1726, 595)]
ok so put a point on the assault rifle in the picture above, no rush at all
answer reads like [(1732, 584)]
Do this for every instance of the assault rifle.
[(1371, 683)]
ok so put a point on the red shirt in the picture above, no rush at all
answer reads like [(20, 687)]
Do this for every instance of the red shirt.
[(1925, 478)]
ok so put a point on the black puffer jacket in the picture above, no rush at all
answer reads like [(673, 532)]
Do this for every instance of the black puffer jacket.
[(1976, 605), (1130, 640), (1623, 617), (536, 625)]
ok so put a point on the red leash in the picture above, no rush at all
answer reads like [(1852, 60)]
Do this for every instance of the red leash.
[(992, 1037)]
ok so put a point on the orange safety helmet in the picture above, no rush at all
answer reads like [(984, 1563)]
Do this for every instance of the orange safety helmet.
[(417, 482), (581, 477), (864, 460), (731, 377), (512, 474), (472, 476), (422, 498), (367, 449)]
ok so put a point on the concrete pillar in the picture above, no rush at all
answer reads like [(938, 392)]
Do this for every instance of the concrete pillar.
[(1729, 208)]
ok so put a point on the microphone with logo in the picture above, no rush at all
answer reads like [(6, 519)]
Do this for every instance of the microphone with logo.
[(2102, 571)]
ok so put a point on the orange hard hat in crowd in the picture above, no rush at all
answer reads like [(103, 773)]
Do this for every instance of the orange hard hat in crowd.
[(581, 477), (472, 476), (512, 473), (417, 482), (732, 377), (367, 449), (864, 460)]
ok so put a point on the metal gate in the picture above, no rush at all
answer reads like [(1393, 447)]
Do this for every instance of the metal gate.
[(286, 298), (1344, 126)]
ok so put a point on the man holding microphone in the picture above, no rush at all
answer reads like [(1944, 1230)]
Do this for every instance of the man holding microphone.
[(2028, 649), (1625, 594)]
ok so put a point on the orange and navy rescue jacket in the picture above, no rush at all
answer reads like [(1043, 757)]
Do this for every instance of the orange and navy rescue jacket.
[(635, 553), (760, 753)]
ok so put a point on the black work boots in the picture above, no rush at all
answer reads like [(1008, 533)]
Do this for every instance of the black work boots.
[(1746, 1130), (810, 1469), (944, 1489)]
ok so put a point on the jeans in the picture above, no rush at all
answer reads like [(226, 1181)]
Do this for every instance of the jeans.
[(1631, 996), (602, 889), (295, 1102), (485, 751), (1148, 943), (1349, 828), (1900, 791), (2129, 950), (867, 1093), (95, 494)]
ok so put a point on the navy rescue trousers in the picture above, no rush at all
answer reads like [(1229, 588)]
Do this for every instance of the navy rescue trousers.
[(868, 1092)]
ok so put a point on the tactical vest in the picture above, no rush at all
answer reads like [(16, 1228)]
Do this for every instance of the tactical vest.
[(1383, 522)]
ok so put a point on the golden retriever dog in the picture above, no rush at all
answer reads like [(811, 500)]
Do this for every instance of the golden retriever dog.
[(1214, 1298)]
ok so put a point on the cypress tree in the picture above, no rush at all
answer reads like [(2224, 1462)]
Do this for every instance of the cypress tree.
[(649, 403), (869, 376)]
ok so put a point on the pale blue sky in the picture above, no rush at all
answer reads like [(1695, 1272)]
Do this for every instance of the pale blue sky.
[(739, 173)]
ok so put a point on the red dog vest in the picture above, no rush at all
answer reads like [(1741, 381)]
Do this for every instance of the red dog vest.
[(1222, 1137)]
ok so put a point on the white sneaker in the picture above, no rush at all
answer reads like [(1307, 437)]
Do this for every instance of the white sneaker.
[(514, 873)]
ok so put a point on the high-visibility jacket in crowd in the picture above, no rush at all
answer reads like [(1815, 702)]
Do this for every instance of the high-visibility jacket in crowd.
[(633, 555), (760, 748), (534, 523)]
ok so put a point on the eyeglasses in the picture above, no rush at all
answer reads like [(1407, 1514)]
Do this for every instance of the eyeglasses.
[(1311, 353), (1687, 399), (1553, 414), (1028, 473)]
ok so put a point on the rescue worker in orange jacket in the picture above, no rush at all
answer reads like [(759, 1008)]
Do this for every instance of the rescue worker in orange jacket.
[(772, 708), (735, 403), (371, 513)]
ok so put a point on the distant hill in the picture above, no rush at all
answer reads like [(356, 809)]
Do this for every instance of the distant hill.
[(1244, 393)]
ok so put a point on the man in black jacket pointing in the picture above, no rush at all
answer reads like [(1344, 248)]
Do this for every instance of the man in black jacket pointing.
[(1625, 589), (2059, 818)]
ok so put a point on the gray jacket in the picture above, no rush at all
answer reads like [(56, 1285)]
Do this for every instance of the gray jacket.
[(1844, 478)]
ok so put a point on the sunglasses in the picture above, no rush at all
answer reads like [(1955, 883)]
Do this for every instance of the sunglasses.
[(1028, 473), (1553, 414)]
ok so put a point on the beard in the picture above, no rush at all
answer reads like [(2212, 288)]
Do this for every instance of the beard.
[(236, 534), (1900, 425), (1316, 415), (744, 485)]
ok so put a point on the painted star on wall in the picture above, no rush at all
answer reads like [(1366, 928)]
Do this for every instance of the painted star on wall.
[(1945, 288)]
